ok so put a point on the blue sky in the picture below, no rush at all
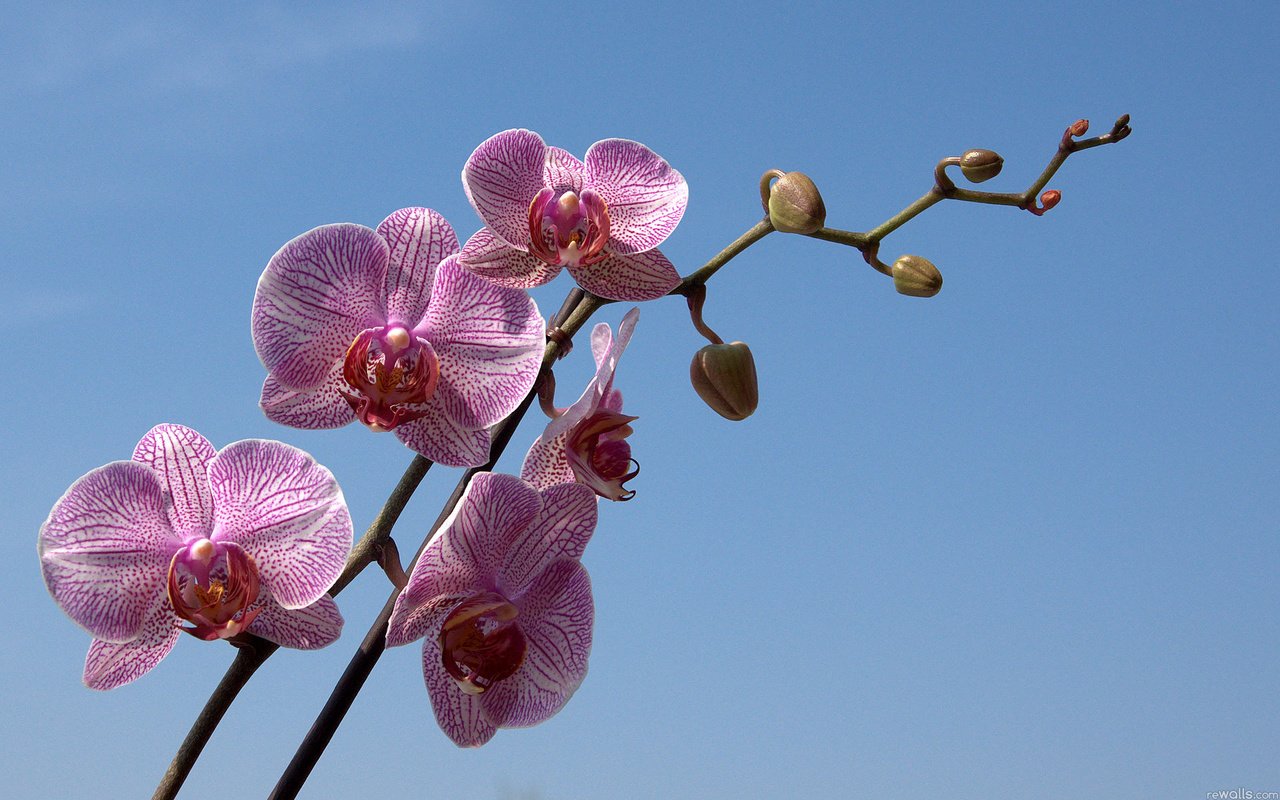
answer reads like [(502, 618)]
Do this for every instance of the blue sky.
[(1016, 540)]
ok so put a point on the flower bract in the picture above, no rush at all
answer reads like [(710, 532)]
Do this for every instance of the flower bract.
[(601, 218), (383, 326), (503, 605), (248, 538), (587, 442)]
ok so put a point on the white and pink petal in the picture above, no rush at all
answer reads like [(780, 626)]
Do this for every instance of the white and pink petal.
[(459, 715), (562, 529), (489, 340), (309, 628), (546, 465), (487, 255), (501, 178), (105, 549), (321, 408), (316, 294), (110, 665), (180, 457), (419, 239), (645, 195), (630, 278), (434, 435), (556, 616), (287, 512), (563, 171)]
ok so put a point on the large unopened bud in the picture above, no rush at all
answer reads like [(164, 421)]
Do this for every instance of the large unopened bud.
[(916, 277), (981, 165), (794, 203), (724, 376)]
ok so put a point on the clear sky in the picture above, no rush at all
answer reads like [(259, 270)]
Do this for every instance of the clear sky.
[(1018, 540)]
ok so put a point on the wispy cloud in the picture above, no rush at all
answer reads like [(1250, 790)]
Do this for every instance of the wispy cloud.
[(27, 308), (196, 50)]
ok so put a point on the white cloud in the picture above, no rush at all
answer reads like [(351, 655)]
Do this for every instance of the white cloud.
[(201, 49)]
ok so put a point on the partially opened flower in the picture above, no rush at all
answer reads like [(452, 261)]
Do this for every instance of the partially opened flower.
[(504, 606), (248, 538), (587, 443), (384, 327), (601, 218)]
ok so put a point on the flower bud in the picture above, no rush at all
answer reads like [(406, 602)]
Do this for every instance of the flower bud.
[(795, 205), (724, 376), (981, 165), (916, 277)]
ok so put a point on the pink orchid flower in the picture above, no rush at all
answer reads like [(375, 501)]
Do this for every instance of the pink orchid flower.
[(248, 538), (504, 607), (587, 442), (385, 327), (601, 217)]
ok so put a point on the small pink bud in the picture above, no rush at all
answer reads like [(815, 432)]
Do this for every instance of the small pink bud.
[(724, 376), (1079, 128)]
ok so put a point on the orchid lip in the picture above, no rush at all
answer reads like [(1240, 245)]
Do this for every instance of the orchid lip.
[(481, 642), (214, 586), (389, 370), (568, 229)]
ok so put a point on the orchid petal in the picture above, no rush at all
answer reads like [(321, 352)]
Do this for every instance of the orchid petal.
[(307, 628), (563, 171), (501, 178), (546, 465), (630, 278), (321, 408), (434, 435), (105, 549), (109, 665), (442, 578), (419, 239), (646, 197), (556, 616), (460, 715), (561, 530), (316, 294), (180, 458), (607, 351), (487, 255), (489, 340), (287, 512)]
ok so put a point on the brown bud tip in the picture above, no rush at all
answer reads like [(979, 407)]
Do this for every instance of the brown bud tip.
[(1050, 198), (724, 376), (1122, 121), (1079, 128), (916, 277), (980, 165), (795, 205)]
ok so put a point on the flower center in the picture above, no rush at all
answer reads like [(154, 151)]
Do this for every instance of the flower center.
[(212, 585), (389, 369), (599, 455), (481, 643), (566, 229)]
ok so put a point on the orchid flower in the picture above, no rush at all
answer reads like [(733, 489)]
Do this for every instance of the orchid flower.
[(587, 443), (384, 327), (503, 605), (601, 217), (248, 538)]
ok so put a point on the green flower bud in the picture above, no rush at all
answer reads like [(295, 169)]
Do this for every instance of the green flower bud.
[(981, 165), (795, 205), (916, 277), (724, 376)]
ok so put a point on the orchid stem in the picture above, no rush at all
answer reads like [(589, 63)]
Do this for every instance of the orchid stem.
[(945, 189)]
